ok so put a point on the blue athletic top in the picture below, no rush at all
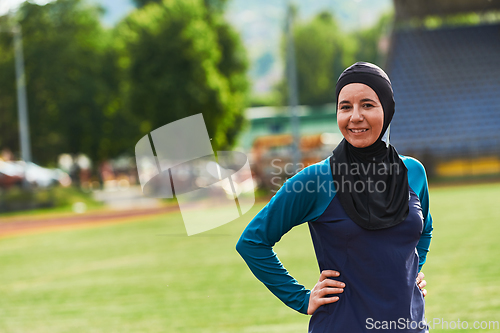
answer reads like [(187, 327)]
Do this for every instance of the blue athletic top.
[(379, 267)]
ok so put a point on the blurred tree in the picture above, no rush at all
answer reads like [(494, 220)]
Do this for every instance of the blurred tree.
[(216, 6), (182, 59), (9, 137), (141, 3), (72, 80), (369, 38), (322, 51), (213, 5), (96, 91)]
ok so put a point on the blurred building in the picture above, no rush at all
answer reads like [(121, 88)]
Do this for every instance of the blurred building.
[(447, 85), (269, 142), (270, 120)]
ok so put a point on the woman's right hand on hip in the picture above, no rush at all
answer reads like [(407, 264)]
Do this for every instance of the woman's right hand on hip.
[(324, 287)]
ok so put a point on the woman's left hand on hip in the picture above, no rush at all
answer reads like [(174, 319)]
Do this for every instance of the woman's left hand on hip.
[(421, 283)]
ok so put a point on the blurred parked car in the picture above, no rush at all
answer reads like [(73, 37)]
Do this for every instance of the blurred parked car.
[(13, 172)]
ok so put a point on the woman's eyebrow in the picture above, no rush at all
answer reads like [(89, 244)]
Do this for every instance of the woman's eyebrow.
[(368, 100), (344, 101)]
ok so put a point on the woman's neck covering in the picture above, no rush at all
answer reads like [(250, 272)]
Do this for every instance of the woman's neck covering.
[(371, 182)]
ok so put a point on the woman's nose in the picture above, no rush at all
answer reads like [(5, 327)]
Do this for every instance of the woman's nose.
[(356, 115)]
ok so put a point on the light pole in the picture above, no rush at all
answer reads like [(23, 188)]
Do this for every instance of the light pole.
[(22, 103), (291, 71)]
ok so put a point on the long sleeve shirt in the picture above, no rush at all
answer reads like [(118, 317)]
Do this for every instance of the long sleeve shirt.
[(379, 267)]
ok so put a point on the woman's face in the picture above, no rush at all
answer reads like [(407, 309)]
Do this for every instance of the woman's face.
[(360, 115)]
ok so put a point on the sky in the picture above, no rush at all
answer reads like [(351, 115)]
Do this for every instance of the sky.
[(115, 9), (6, 5)]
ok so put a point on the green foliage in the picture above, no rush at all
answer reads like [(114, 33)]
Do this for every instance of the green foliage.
[(368, 40), (181, 59), (71, 81), (97, 91), (16, 201), (452, 20), (213, 5), (272, 98), (141, 3), (8, 114), (62, 61), (323, 51)]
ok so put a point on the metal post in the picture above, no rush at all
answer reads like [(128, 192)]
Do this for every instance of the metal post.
[(22, 104), (292, 87)]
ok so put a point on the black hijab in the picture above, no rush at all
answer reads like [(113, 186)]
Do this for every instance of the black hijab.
[(371, 182)]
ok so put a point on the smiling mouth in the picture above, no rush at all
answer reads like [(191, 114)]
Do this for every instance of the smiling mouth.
[(358, 130)]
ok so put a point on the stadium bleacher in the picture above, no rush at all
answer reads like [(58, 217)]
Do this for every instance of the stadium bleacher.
[(447, 90)]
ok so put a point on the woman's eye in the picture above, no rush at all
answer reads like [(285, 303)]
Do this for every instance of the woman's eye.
[(345, 107), (367, 105)]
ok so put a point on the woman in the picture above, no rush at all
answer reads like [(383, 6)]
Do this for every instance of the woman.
[(368, 214)]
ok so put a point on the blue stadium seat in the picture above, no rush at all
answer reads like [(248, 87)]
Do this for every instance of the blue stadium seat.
[(447, 90)]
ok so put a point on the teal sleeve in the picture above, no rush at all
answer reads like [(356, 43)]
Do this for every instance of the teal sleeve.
[(302, 198), (417, 180)]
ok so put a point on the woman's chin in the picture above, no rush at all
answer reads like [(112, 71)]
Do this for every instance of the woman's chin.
[(359, 143)]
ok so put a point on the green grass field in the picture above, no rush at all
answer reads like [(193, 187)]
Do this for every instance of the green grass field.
[(147, 276)]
